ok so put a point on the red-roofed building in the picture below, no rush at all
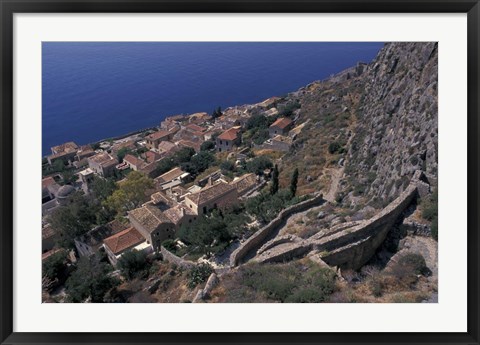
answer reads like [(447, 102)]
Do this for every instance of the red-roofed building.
[(119, 243), (228, 139), (282, 126), (155, 138), (133, 162)]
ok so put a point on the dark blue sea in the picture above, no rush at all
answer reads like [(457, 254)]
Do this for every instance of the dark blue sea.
[(92, 91)]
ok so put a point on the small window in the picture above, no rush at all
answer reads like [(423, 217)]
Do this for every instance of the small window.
[(226, 143), (204, 209), (189, 220), (221, 142)]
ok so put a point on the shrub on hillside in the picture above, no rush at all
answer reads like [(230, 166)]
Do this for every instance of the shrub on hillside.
[(199, 274)]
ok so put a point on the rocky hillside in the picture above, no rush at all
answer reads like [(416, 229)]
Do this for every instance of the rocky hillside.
[(378, 122)]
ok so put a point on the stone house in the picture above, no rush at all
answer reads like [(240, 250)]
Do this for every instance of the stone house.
[(153, 224), (84, 152), (65, 152), (245, 183), (171, 178), (91, 242), (133, 162), (278, 143), (102, 164), (49, 237), (281, 126), (154, 139), (122, 242), (212, 196), (228, 139)]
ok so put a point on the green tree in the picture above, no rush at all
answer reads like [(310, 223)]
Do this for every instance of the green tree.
[(199, 274), (54, 265), (258, 164), (199, 163), (73, 220), (102, 188), (227, 165), (130, 194), (217, 112), (207, 145), (209, 235), (122, 153), (274, 185), (91, 279), (294, 182), (133, 264)]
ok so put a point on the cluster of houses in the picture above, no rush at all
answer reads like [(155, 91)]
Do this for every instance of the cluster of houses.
[(171, 204)]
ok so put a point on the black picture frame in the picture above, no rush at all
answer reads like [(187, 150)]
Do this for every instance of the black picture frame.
[(8, 8)]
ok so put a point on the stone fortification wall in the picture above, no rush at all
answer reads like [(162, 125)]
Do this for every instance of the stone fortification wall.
[(256, 240), (170, 257), (352, 246)]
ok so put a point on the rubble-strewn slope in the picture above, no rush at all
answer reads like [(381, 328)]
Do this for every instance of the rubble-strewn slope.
[(396, 131), (384, 117)]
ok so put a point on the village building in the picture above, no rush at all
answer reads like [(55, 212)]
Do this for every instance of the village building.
[(49, 189), (228, 140), (196, 145), (128, 145), (269, 102), (218, 195), (154, 139), (245, 183), (271, 112), (152, 223), (280, 126), (152, 156), (278, 143), (102, 164), (65, 152), (91, 242), (118, 244), (179, 215), (86, 178), (171, 178), (199, 118), (64, 194), (49, 237), (133, 162), (84, 152), (167, 148), (151, 169), (172, 122)]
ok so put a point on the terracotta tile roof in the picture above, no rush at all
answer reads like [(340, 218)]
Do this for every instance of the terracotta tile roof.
[(159, 197), (102, 158), (283, 139), (47, 181), (47, 231), (229, 134), (133, 160), (170, 175), (124, 240), (151, 156), (148, 168), (158, 135), (96, 236), (195, 128), (244, 183), (50, 253), (269, 101), (166, 146), (282, 123), (187, 143), (149, 217), (177, 213), (210, 193), (65, 148)]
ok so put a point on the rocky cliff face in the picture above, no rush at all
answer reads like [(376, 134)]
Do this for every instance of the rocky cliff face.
[(397, 122), (381, 116)]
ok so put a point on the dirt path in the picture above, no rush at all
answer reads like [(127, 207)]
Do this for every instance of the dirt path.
[(337, 175)]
